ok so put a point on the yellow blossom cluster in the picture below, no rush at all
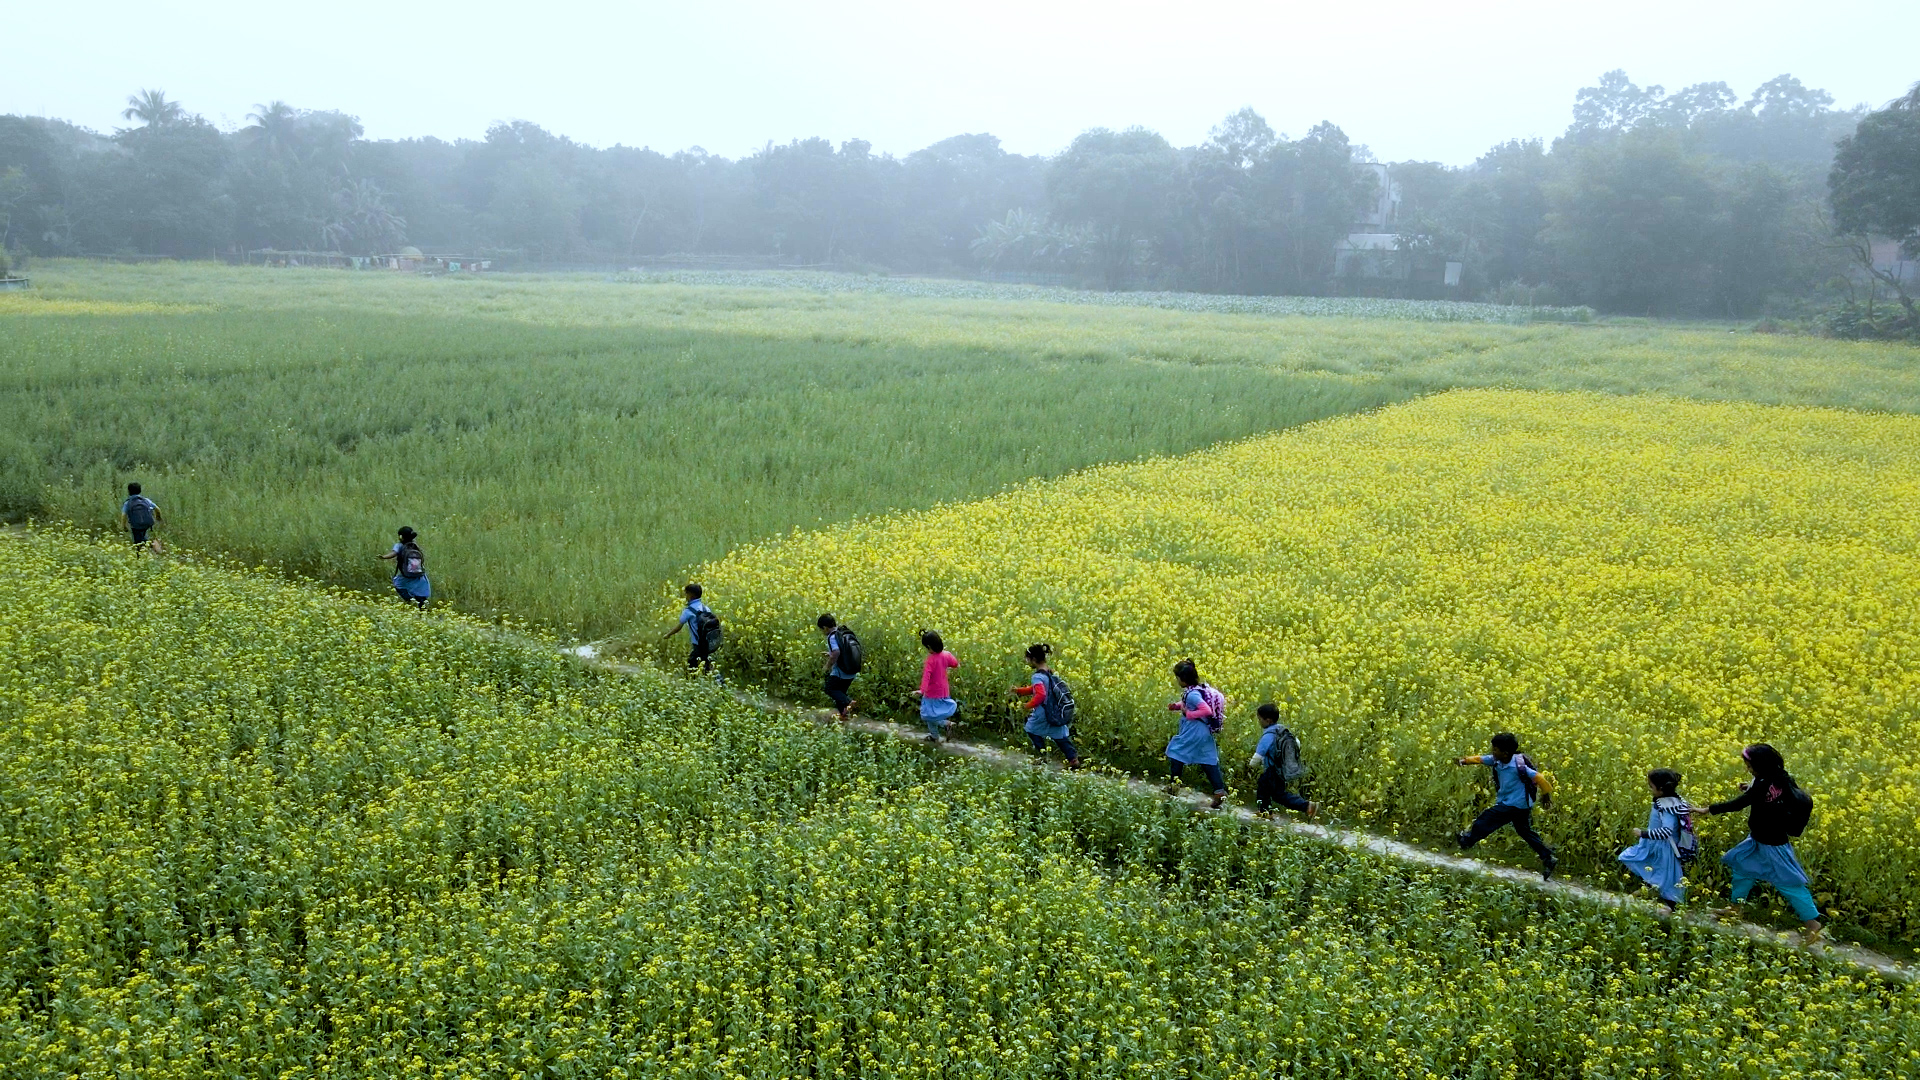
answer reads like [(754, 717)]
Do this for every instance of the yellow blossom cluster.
[(1625, 582)]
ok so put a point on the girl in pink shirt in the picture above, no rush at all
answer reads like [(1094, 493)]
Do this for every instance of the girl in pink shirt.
[(937, 706)]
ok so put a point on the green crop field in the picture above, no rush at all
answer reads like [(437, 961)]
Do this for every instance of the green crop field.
[(566, 443), (255, 829)]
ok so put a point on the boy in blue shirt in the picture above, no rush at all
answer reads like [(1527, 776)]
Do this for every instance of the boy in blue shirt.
[(139, 515), (1514, 779), (1276, 760), (703, 634), (838, 680)]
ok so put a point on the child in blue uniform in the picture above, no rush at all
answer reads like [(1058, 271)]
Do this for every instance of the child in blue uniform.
[(1767, 853), (1194, 742), (701, 648), (838, 681), (1045, 696), (1276, 760), (1666, 844), (1512, 800), (410, 570)]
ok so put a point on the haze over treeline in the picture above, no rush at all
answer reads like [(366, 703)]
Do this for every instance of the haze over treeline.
[(1701, 201)]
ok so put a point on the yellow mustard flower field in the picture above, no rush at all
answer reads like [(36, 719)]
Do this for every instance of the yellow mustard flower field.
[(256, 829), (1625, 582)]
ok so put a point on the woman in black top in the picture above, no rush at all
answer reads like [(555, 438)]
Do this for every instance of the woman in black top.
[(1767, 852)]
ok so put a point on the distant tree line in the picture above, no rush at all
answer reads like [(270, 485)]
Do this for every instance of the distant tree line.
[(1691, 203)]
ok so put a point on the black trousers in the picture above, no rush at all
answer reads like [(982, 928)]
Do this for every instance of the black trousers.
[(1521, 818), (701, 654), (837, 690), (1273, 790)]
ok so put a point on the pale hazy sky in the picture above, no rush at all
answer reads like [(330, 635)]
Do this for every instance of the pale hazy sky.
[(1439, 81)]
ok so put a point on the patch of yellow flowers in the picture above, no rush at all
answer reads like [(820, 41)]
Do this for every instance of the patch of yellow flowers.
[(253, 829), (1627, 583)]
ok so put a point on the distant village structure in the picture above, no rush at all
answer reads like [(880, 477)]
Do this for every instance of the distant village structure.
[(410, 259), (1379, 252), (1891, 260)]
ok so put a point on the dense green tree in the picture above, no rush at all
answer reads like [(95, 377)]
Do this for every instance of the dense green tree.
[(170, 188), (1120, 185), (1328, 189), (951, 190), (1690, 202), (291, 167), (821, 205), (1632, 221), (1874, 188), (534, 208)]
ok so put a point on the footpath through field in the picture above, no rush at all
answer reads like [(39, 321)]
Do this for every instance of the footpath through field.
[(1000, 757)]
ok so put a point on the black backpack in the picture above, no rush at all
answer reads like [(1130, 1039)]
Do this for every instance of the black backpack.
[(1285, 755), (706, 628), (1059, 708), (852, 655), (140, 512), (413, 564)]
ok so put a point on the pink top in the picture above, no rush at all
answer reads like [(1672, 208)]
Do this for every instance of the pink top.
[(933, 676)]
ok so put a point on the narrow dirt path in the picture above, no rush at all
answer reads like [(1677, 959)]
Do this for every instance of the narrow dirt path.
[(1000, 757), (1004, 758)]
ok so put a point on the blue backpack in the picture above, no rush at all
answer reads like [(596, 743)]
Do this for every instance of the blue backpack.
[(140, 512), (1059, 708)]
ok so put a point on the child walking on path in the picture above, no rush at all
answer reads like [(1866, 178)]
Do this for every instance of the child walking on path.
[(1667, 844), (844, 661), (410, 570), (139, 515), (937, 706), (1201, 709), (703, 629), (1052, 706), (1777, 811), (1514, 781), (1276, 759)]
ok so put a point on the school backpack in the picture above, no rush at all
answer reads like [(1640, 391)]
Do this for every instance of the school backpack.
[(1286, 755), (1539, 787), (852, 654), (140, 512), (413, 564), (1059, 708), (1686, 842), (1216, 707), (706, 628)]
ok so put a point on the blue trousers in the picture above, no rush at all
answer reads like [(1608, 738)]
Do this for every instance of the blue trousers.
[(1064, 742), (1797, 896), (1176, 768)]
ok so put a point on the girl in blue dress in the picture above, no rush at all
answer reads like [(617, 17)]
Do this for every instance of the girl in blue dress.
[(1047, 696), (410, 570), (1666, 844), (1195, 742)]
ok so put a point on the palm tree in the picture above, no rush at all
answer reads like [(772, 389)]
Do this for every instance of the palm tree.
[(273, 125), (363, 219), (152, 108)]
